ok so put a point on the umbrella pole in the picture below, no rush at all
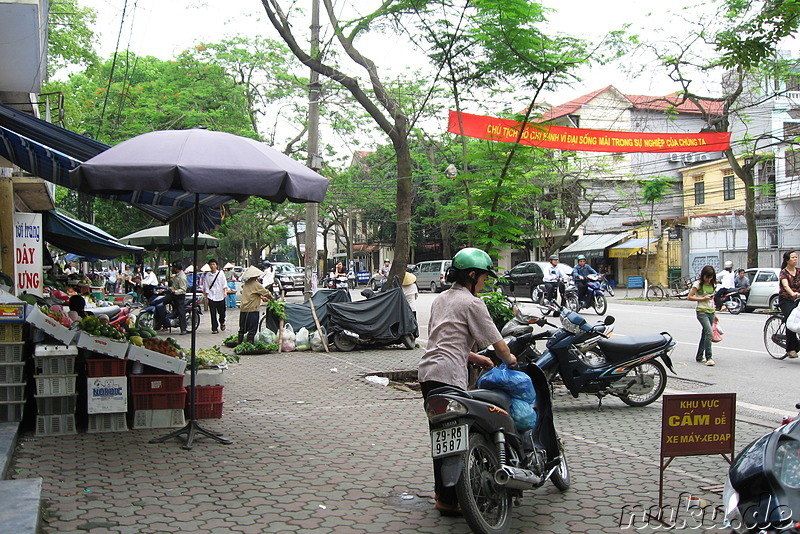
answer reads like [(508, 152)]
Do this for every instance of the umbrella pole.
[(192, 427)]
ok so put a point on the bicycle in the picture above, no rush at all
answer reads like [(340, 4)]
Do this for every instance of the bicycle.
[(775, 337), (655, 292)]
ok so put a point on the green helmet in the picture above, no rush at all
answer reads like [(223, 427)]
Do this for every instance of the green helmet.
[(473, 258), (580, 257)]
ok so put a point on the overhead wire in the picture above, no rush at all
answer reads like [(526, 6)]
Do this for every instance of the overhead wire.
[(111, 74)]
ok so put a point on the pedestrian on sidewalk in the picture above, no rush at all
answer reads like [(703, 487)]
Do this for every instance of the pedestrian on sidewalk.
[(788, 295), (216, 289), (459, 323), (702, 292), (253, 294)]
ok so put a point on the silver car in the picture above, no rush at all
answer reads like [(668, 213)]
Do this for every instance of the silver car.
[(289, 277), (764, 284)]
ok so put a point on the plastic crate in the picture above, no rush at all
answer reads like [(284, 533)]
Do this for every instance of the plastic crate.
[(106, 367), (56, 405), (107, 422), (11, 332), (53, 365), (158, 419), (12, 373), (55, 425), (159, 401), (207, 410), (205, 394), (11, 411), (12, 392), (55, 385), (156, 383), (11, 352)]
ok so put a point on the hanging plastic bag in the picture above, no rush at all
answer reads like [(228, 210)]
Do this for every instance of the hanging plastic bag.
[(316, 342), (716, 337), (288, 338), (516, 383), (524, 414), (793, 322), (303, 339)]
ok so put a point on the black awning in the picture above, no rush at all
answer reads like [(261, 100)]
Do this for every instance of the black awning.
[(83, 239), (50, 152)]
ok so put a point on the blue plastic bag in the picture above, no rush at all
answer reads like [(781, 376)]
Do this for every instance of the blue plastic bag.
[(516, 383), (524, 414)]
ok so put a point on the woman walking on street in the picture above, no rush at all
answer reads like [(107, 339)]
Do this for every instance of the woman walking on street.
[(459, 323), (788, 294), (702, 292)]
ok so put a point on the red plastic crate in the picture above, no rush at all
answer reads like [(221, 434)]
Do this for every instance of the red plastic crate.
[(159, 401), (207, 410), (106, 367), (205, 394), (156, 384)]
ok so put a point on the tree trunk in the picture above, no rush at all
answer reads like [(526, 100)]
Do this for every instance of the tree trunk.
[(403, 237)]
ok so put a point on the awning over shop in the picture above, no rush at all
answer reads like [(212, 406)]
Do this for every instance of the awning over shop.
[(50, 152), (83, 239), (592, 246), (631, 247)]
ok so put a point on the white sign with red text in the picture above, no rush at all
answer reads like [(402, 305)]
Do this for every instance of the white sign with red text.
[(28, 246)]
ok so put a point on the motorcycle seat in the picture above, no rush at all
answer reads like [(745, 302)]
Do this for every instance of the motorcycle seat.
[(631, 345), (111, 311), (492, 396)]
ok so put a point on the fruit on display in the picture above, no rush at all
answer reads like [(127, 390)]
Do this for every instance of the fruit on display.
[(136, 340), (93, 326), (167, 346), (57, 315), (141, 331)]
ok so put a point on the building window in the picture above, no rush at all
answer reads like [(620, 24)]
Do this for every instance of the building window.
[(699, 193), (729, 187), (792, 162)]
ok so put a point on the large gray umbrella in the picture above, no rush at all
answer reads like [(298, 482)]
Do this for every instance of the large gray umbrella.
[(158, 238), (198, 162)]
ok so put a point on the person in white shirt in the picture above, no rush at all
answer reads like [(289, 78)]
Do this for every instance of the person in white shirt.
[(149, 283), (215, 288), (268, 280), (727, 283), (553, 279)]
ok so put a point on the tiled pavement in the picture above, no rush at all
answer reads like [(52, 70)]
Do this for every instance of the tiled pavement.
[(318, 449)]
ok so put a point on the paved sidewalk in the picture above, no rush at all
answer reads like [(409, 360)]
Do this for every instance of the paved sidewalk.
[(318, 449)]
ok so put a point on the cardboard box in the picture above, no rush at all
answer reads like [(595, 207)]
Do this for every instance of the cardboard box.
[(107, 394), (51, 327), (103, 345), (156, 359)]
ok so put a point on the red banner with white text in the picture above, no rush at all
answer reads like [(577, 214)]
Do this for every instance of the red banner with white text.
[(559, 137)]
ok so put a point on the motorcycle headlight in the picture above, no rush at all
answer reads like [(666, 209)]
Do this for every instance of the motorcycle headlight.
[(572, 322)]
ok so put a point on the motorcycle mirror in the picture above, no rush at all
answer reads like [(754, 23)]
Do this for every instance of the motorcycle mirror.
[(609, 320), (541, 321)]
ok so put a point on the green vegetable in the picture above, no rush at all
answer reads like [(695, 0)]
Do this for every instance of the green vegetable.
[(250, 348), (277, 308)]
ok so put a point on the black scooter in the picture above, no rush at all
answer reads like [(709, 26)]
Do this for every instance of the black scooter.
[(484, 455), (762, 491), (589, 362), (162, 299)]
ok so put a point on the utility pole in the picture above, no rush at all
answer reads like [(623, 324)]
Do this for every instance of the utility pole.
[(314, 160)]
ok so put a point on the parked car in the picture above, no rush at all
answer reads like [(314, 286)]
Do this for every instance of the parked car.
[(764, 284), (522, 279), (431, 275), (289, 277)]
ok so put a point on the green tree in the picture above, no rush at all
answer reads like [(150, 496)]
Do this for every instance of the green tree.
[(654, 191), (70, 39)]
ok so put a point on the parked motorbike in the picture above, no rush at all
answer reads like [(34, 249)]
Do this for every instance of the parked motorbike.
[(589, 362), (384, 319), (486, 458), (734, 300), (761, 491), (147, 316)]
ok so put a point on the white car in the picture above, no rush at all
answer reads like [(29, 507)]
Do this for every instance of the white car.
[(764, 284)]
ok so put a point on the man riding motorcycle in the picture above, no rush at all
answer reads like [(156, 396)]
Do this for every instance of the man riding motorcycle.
[(580, 274), (554, 278)]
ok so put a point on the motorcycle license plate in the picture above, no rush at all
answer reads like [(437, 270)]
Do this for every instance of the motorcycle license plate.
[(451, 440)]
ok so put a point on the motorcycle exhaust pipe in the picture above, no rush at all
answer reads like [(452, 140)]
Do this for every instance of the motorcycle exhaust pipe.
[(516, 478)]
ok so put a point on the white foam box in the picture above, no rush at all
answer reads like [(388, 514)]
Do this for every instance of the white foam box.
[(107, 394), (51, 327), (158, 418), (205, 377), (156, 359), (103, 345)]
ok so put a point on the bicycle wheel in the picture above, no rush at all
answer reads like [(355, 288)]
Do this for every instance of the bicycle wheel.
[(655, 293), (775, 337)]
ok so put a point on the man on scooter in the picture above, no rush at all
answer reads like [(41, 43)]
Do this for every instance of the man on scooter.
[(581, 273), (178, 285), (554, 280), (727, 284)]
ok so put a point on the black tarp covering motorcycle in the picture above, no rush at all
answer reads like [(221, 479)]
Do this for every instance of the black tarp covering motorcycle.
[(300, 315), (384, 319)]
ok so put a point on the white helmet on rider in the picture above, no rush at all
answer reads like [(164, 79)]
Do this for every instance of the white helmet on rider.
[(729, 264)]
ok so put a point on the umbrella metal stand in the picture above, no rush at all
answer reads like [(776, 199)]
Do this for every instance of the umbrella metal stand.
[(192, 427)]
